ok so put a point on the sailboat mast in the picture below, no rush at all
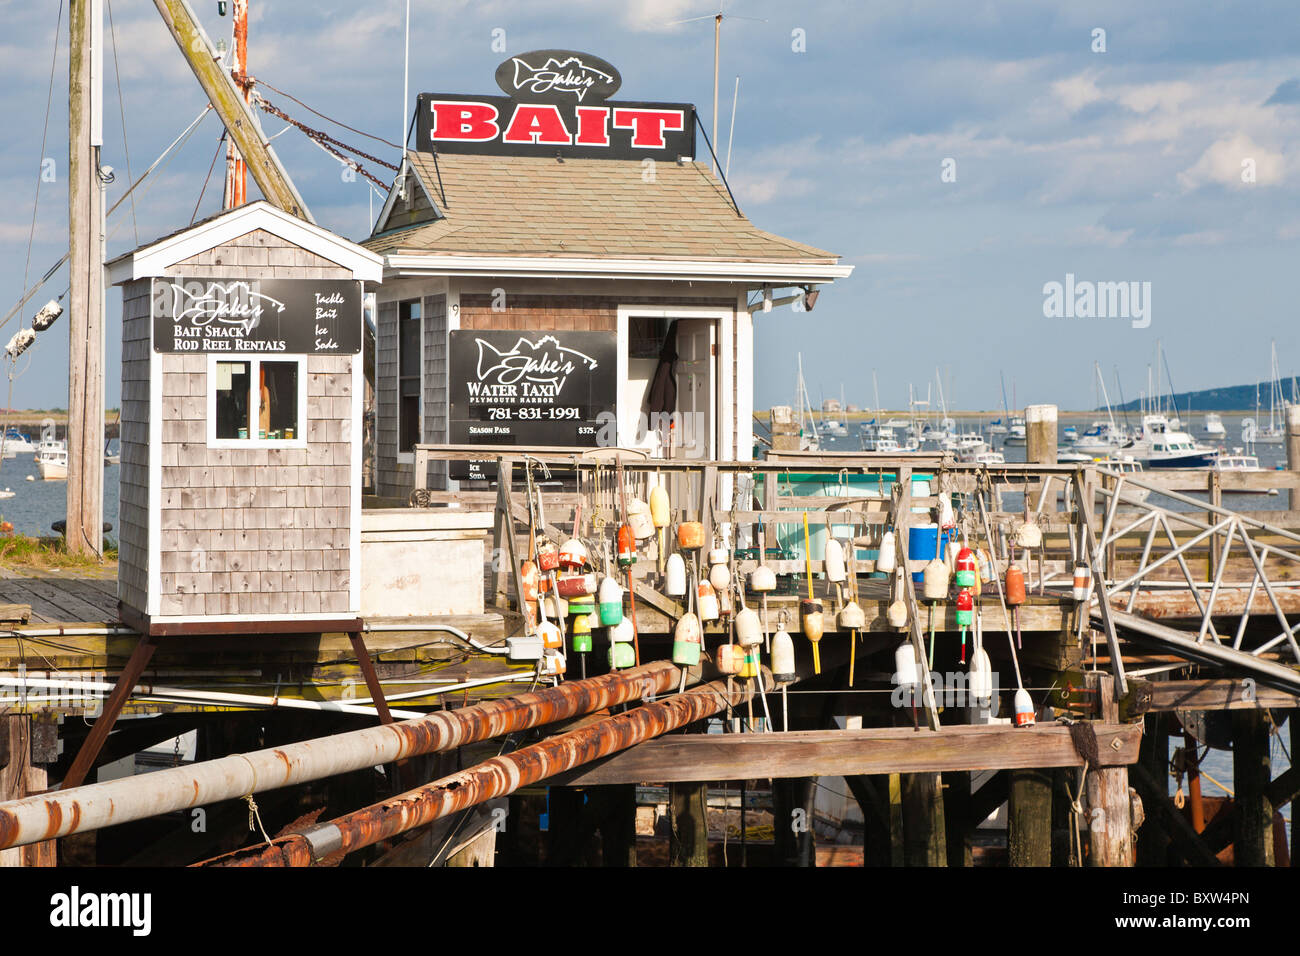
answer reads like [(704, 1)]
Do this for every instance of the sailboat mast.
[(236, 172)]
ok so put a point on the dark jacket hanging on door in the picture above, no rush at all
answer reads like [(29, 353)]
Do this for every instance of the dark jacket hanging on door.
[(662, 396)]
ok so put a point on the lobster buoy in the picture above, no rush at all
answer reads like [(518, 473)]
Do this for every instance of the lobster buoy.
[(690, 536), (897, 613), (611, 602), (749, 629), (626, 546), (720, 577), (576, 586), (946, 517), (936, 581), (1082, 589), (834, 561), (852, 617), (555, 606), (762, 579), (621, 655), (529, 579), (1024, 709), (573, 555), (749, 663), (548, 557), (985, 565), (813, 621), (726, 606), (965, 568), (675, 576), (553, 662), (659, 506), (1015, 586), (581, 632), (639, 519), (622, 632), (783, 671), (730, 658), (686, 641), (887, 557), (980, 684), (965, 616), (550, 634), (905, 674), (707, 602), (582, 606), (1029, 535), (718, 556)]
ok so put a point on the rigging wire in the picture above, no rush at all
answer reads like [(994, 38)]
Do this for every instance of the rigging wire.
[(49, 99), (379, 139), (208, 178), (121, 108)]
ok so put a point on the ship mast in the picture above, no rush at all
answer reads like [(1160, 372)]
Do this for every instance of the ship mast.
[(236, 171)]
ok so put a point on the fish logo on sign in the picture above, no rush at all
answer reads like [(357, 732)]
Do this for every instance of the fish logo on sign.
[(558, 75), (233, 303), (544, 362)]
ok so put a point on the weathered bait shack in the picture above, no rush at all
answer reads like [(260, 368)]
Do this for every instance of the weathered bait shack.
[(242, 386)]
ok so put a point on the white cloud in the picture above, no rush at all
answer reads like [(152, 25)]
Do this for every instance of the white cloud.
[(1225, 161), (1076, 92)]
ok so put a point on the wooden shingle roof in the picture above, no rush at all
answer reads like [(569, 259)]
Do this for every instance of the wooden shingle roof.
[(532, 206)]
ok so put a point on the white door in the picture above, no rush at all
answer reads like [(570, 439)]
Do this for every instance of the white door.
[(695, 433)]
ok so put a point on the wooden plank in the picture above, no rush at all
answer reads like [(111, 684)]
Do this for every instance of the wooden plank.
[(15, 613), (72, 607), (704, 757), (1222, 694)]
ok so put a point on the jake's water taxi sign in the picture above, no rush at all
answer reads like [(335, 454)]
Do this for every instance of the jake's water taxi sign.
[(556, 105)]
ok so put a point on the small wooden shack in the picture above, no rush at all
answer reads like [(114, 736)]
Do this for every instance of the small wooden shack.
[(242, 386)]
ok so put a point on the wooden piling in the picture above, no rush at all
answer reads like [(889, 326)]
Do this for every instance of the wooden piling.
[(1153, 756), (924, 842), (1110, 824), (617, 813), (792, 820), (18, 779), (1251, 772), (1292, 446), (688, 844), (958, 824), (1040, 434), (1029, 818)]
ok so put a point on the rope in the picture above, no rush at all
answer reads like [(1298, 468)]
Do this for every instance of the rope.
[(255, 816), (208, 178), (49, 97), (121, 109)]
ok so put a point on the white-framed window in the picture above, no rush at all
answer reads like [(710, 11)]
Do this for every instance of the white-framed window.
[(410, 362), (257, 402)]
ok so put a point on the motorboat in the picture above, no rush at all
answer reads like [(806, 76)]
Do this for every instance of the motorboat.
[(1213, 425), (1070, 434), (1016, 432), (52, 459), (16, 443), (1101, 438), (1162, 445), (971, 443), (985, 457), (1238, 464), (1127, 466)]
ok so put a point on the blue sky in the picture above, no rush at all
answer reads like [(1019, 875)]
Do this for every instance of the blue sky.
[(1123, 165)]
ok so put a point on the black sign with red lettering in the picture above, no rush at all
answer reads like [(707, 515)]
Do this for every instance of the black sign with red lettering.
[(585, 128)]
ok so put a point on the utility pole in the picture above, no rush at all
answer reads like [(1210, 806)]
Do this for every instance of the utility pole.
[(717, 41), (236, 172), (86, 181)]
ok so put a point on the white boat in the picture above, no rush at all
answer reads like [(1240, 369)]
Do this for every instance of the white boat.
[(1161, 445), (1237, 463), (834, 428), (1274, 433), (809, 439), (1070, 434), (966, 443), (1101, 438), (1071, 456), (1016, 432), (1129, 467), (52, 459), (985, 457), (16, 443), (1213, 425)]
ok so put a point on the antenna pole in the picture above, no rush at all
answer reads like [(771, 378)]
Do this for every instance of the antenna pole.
[(735, 97), (236, 171), (717, 39)]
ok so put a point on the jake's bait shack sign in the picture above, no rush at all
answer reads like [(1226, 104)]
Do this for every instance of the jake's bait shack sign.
[(531, 388), (295, 316), (556, 105)]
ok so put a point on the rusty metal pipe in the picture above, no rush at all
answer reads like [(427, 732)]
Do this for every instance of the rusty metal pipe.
[(51, 815), (488, 780)]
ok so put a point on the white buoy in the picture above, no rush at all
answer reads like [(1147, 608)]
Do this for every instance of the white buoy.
[(675, 576), (720, 576), (783, 671), (980, 685), (762, 579), (749, 629), (887, 559), (1024, 708), (905, 674), (707, 602), (834, 562), (1082, 589)]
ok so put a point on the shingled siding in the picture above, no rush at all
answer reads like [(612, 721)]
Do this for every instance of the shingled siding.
[(435, 382), (389, 476), (258, 530), (133, 476), (594, 313)]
